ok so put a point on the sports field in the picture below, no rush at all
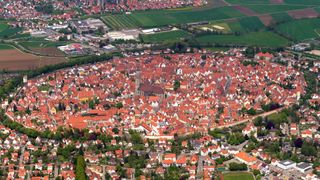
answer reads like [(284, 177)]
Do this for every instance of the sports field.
[(238, 176), (171, 36)]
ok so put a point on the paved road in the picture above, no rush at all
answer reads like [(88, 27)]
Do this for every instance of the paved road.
[(21, 155), (252, 118), (200, 167), (56, 170)]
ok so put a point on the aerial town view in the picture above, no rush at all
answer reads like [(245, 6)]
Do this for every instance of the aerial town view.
[(160, 89)]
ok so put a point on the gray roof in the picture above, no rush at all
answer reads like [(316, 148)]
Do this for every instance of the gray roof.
[(304, 165)]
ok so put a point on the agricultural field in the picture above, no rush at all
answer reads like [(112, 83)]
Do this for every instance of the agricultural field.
[(263, 9), (236, 27), (12, 59), (265, 2), (49, 51), (300, 29), (39, 43), (4, 47), (170, 36), (281, 17), (3, 26), (238, 176), (159, 18), (305, 2), (251, 24), (6, 31), (261, 39), (248, 1)]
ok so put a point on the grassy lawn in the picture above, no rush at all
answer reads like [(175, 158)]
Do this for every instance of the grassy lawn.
[(3, 26), (158, 18), (171, 36), (300, 29), (262, 39), (238, 176), (5, 47)]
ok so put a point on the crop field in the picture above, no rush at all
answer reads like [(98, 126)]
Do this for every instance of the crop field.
[(4, 47), (5, 31), (13, 59), (171, 36), (49, 51), (248, 1), (303, 13), (235, 26), (251, 24), (238, 176), (267, 19), (263, 9), (290, 2), (38, 43), (3, 26), (281, 17), (159, 18), (262, 39), (306, 2), (300, 29)]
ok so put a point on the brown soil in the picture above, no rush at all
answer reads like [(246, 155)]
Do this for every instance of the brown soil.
[(304, 13), (266, 19), (15, 60), (276, 1), (245, 10), (49, 51)]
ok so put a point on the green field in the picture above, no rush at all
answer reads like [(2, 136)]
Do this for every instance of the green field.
[(248, 1), (300, 29), (121, 21), (281, 17), (263, 9), (171, 36), (290, 2), (159, 18), (4, 47), (3, 26), (305, 2), (262, 39), (238, 176), (251, 24)]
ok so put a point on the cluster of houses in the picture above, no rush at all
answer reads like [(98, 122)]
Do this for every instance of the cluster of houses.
[(19, 160), (158, 95), (26, 9)]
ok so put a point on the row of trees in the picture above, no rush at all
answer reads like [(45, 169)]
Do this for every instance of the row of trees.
[(80, 168)]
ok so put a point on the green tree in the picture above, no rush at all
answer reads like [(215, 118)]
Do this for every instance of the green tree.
[(308, 149), (80, 168)]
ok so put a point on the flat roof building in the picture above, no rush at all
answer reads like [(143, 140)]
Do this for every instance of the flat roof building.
[(286, 164)]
